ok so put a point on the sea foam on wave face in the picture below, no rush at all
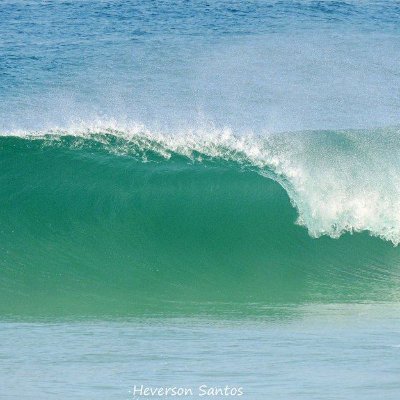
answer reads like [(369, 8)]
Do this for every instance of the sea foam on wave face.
[(349, 181)]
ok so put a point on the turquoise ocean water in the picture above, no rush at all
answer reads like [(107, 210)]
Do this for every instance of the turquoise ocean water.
[(199, 193)]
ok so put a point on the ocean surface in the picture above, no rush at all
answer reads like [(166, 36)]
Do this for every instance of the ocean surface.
[(200, 193)]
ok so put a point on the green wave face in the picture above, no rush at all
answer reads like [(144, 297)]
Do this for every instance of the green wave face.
[(86, 231)]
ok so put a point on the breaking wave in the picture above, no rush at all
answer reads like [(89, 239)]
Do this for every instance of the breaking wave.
[(118, 218)]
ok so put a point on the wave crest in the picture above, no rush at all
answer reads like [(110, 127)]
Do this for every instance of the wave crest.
[(339, 181)]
